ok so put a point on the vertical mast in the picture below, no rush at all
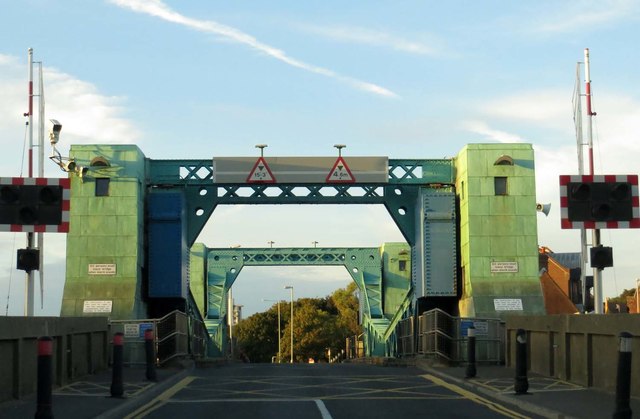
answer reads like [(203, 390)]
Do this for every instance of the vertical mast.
[(597, 273), (30, 291), (40, 239), (577, 117)]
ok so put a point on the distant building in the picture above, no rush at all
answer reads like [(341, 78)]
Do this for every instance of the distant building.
[(237, 314)]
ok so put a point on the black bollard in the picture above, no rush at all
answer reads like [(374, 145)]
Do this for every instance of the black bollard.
[(45, 378), (117, 386), (623, 382), (521, 384), (150, 350), (471, 352)]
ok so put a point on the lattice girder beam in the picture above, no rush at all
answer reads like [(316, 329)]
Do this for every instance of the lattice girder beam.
[(401, 171), (363, 264)]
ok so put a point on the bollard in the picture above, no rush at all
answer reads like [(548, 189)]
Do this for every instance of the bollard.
[(521, 384), (150, 350), (623, 381), (117, 386), (45, 378), (471, 352)]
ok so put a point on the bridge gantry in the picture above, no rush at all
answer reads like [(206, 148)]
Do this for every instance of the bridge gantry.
[(364, 265)]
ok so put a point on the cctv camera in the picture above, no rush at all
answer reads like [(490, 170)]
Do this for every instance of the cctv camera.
[(57, 126), (69, 166), (54, 135)]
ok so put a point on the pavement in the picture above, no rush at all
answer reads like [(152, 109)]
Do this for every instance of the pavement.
[(546, 397), (90, 397)]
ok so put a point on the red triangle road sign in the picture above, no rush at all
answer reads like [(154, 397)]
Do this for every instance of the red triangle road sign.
[(261, 173), (340, 173)]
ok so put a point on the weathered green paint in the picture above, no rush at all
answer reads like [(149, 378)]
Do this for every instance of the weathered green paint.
[(197, 269), (497, 228), (396, 274), (419, 196), (106, 230), (385, 287)]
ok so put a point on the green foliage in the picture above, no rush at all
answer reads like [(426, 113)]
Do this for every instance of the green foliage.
[(622, 298), (319, 324)]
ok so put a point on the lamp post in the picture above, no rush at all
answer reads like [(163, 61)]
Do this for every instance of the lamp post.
[(271, 243), (290, 288), (315, 243), (279, 334)]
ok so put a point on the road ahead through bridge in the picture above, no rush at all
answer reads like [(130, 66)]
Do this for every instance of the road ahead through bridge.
[(324, 391)]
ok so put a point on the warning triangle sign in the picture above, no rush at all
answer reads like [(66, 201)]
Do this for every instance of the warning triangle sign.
[(340, 173), (261, 173)]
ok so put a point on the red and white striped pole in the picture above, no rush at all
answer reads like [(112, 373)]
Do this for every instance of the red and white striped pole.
[(30, 286), (30, 112), (597, 273)]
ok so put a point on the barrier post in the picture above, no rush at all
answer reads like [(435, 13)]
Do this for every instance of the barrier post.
[(45, 378), (117, 385), (150, 350), (471, 352), (623, 380), (521, 384)]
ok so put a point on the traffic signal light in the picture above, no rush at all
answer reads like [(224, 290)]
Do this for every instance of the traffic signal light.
[(599, 201), (31, 204), (28, 260), (601, 257)]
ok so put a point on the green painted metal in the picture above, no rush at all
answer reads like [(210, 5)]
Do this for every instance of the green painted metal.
[(422, 196), (401, 171), (398, 195), (498, 228), (106, 230), (363, 264)]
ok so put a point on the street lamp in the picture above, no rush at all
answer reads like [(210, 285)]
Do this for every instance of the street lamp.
[(315, 243), (290, 288), (271, 243), (279, 335)]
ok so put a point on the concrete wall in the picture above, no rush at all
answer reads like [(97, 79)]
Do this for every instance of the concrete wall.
[(79, 348), (582, 349)]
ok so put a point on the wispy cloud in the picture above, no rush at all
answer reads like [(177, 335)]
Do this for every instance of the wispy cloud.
[(160, 10), (489, 134), (536, 106), (588, 14), (370, 37), (87, 115)]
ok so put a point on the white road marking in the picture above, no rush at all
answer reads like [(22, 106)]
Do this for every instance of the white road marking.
[(323, 409)]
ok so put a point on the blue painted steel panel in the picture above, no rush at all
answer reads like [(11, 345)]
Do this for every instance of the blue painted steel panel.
[(168, 252)]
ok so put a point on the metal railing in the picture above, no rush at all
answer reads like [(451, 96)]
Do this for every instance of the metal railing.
[(406, 337), (355, 346), (176, 335), (444, 337)]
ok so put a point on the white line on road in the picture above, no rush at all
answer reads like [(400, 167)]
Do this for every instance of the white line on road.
[(323, 409)]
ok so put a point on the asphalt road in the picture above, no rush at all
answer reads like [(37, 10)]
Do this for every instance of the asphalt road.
[(323, 391)]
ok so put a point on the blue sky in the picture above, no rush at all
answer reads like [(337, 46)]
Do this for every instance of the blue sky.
[(405, 79)]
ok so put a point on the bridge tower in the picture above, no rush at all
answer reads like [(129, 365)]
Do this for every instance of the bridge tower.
[(470, 223)]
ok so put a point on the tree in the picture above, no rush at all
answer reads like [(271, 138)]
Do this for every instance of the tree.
[(257, 336), (622, 298), (346, 303), (320, 325)]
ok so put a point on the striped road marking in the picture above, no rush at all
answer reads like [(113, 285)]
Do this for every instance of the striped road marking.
[(475, 398)]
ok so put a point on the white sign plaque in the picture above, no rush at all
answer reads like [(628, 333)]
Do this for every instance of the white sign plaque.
[(507, 304), (97, 306), (504, 267), (131, 330), (102, 269)]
